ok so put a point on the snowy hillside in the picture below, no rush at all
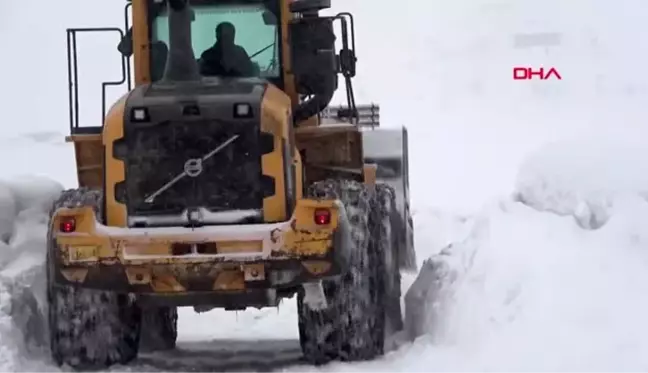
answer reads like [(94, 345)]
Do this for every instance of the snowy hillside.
[(529, 197)]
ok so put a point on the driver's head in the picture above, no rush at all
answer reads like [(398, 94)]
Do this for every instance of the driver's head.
[(225, 33)]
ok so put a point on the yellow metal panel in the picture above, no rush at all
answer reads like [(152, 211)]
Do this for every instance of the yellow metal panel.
[(83, 253), (239, 247), (230, 280), (165, 283), (88, 152), (275, 119), (301, 244), (306, 237), (82, 138), (151, 248), (141, 43), (289, 78), (138, 275), (115, 169), (299, 176)]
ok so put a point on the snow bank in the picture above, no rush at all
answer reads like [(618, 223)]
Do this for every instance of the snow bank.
[(553, 279), (425, 299), (582, 178), (7, 214), (533, 291), (24, 207), (24, 204)]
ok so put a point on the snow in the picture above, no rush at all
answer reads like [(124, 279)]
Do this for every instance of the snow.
[(529, 199), (537, 285), (220, 324), (22, 280), (522, 275), (599, 169)]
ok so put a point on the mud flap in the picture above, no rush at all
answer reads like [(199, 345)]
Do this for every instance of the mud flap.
[(314, 296), (342, 240)]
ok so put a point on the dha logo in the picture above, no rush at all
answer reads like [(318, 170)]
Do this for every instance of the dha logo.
[(528, 73)]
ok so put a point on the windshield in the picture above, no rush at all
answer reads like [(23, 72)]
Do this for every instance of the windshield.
[(228, 40)]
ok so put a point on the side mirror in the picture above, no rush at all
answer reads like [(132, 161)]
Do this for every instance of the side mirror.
[(269, 18), (314, 61), (125, 46)]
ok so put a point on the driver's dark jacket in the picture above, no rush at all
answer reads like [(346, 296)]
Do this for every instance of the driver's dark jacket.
[(228, 61)]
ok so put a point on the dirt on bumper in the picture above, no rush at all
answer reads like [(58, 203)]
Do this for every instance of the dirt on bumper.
[(208, 259)]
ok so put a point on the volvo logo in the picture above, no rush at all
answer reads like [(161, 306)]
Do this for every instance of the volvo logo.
[(193, 167)]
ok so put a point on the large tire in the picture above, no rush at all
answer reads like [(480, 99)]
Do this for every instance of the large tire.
[(159, 329), (89, 329), (353, 325)]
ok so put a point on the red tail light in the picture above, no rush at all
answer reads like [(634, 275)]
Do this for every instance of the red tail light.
[(322, 216), (67, 225)]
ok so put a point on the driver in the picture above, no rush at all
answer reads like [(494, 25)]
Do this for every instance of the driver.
[(225, 58)]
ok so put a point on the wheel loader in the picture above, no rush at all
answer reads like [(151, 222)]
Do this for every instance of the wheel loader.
[(229, 185)]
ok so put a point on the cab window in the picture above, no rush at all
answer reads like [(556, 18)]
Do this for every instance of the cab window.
[(229, 39)]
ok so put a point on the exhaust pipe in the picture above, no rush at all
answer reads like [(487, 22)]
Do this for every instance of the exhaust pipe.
[(181, 63)]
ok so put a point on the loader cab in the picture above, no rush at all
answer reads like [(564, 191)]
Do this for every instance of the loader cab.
[(258, 33), (291, 45), (256, 39)]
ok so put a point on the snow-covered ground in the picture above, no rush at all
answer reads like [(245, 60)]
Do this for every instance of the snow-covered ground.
[(550, 277), (529, 197)]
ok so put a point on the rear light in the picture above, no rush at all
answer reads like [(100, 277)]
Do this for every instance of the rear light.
[(322, 216), (67, 225)]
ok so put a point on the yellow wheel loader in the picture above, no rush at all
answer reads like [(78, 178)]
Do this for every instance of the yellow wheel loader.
[(223, 178)]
